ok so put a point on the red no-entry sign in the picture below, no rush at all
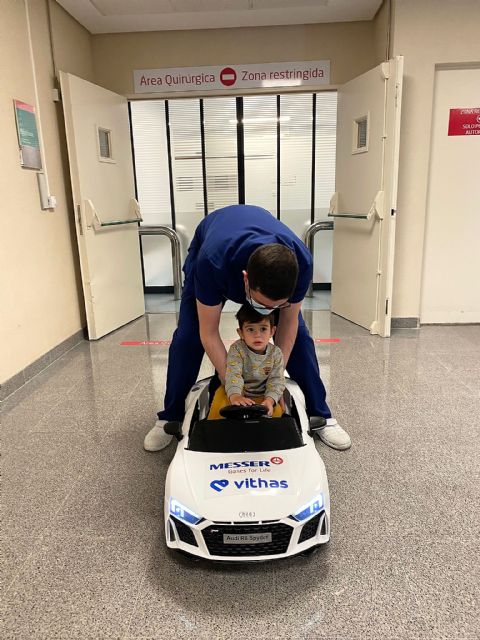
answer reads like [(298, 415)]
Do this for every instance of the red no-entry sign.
[(228, 76)]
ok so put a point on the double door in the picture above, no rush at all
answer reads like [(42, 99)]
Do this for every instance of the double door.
[(363, 205)]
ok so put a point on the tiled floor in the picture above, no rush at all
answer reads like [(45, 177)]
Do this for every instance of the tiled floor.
[(84, 551)]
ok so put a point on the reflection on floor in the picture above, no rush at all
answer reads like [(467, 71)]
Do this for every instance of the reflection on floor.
[(164, 303), (84, 551)]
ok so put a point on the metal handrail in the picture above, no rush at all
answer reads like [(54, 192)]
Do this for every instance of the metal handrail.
[(176, 254), (308, 238)]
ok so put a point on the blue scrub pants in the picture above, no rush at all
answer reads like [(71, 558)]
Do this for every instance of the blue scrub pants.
[(186, 353)]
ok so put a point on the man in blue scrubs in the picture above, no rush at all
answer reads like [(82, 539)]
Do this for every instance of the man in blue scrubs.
[(242, 253)]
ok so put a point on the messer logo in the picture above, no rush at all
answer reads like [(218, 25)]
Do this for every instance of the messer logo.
[(237, 464)]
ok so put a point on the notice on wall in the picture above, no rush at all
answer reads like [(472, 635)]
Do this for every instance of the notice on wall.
[(464, 122), (30, 157), (232, 77)]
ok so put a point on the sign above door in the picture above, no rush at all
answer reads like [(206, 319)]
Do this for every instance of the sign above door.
[(234, 77)]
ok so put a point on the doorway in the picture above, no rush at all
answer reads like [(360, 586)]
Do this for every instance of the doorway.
[(193, 156), (363, 204), (450, 291)]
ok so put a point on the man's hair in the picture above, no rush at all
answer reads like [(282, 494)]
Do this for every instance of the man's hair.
[(247, 313), (273, 270)]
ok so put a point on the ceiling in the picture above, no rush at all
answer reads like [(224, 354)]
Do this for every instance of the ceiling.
[(114, 16)]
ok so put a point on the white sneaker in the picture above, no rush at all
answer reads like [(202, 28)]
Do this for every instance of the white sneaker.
[(334, 436), (156, 439)]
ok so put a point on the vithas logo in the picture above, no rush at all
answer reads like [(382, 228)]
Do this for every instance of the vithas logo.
[(249, 483), (219, 485)]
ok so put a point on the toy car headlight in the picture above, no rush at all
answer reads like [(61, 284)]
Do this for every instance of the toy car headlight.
[(311, 508), (182, 513)]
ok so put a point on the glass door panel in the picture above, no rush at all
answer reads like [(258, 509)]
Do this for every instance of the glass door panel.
[(325, 150), (296, 160), (260, 145), (153, 186), (220, 128), (186, 148)]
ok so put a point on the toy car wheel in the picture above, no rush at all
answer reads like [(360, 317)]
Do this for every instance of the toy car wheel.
[(310, 552), (184, 555)]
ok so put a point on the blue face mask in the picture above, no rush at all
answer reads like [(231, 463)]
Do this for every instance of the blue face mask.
[(262, 310), (259, 307)]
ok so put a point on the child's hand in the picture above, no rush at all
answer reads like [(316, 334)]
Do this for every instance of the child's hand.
[(239, 400), (269, 403)]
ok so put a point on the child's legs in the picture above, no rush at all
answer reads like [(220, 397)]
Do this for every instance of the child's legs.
[(219, 401)]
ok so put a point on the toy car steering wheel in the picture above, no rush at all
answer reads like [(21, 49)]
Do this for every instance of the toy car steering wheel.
[(237, 412)]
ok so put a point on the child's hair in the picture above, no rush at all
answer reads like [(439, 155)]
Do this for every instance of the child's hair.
[(247, 313)]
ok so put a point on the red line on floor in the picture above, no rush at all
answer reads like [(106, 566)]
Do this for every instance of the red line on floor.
[(142, 343), (166, 343)]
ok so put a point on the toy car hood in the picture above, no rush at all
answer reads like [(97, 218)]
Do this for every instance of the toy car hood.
[(240, 486)]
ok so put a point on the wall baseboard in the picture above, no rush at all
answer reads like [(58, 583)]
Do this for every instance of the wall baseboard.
[(405, 323), (18, 380), (317, 286), (155, 289)]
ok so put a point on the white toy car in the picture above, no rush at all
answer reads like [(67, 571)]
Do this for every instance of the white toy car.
[(245, 488)]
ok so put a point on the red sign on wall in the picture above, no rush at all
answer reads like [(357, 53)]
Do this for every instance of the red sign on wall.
[(228, 76), (464, 122)]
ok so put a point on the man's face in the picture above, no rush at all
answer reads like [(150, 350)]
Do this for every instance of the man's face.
[(260, 302), (256, 335)]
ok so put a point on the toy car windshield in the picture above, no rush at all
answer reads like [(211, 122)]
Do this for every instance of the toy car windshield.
[(232, 436)]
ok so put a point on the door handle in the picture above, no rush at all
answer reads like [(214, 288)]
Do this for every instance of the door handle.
[(360, 216), (376, 210)]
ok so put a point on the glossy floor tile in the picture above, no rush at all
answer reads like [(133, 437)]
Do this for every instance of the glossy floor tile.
[(84, 554)]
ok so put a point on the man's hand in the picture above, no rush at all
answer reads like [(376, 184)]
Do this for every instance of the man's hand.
[(269, 403), (241, 401), (209, 320)]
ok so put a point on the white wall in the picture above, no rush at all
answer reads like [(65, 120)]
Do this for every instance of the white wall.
[(41, 303), (427, 33), (349, 45), (451, 271)]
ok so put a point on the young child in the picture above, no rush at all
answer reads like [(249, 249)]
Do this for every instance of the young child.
[(255, 369)]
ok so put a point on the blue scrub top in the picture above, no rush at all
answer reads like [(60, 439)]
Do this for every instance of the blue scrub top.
[(222, 245)]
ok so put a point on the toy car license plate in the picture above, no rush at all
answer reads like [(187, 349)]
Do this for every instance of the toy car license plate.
[(246, 538)]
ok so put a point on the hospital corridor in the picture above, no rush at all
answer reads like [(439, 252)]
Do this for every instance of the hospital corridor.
[(84, 541), (184, 183)]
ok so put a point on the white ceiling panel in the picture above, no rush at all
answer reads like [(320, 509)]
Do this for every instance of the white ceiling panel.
[(130, 7), (114, 16), (287, 4), (189, 6)]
